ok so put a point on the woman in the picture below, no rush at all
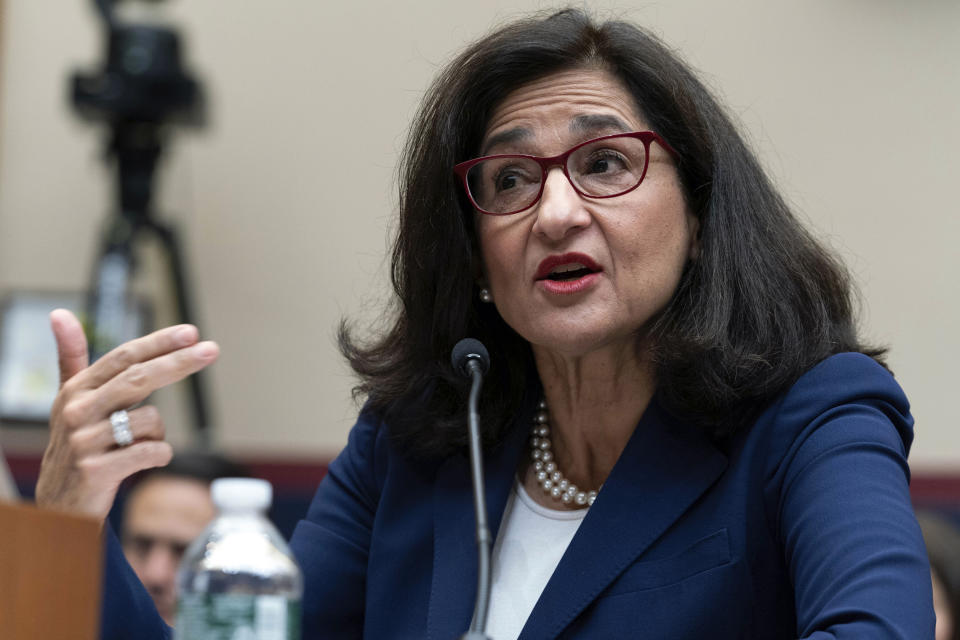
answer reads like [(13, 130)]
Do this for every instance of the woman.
[(665, 338)]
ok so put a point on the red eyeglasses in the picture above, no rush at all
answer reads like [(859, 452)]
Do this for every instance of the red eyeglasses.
[(604, 167)]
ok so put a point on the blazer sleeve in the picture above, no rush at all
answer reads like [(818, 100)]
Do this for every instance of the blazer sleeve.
[(127, 611), (332, 543), (852, 545)]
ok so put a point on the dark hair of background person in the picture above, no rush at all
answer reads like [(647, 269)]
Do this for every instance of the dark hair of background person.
[(761, 304), (194, 465), (943, 548), (201, 466)]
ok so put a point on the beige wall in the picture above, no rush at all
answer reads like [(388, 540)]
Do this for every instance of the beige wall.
[(851, 103)]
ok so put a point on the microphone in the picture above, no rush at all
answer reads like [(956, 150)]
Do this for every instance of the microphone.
[(469, 351), (471, 360)]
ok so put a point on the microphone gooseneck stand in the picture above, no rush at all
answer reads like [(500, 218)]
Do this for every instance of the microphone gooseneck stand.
[(471, 359)]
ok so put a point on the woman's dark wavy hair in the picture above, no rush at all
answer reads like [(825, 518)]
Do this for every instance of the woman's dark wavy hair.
[(761, 304)]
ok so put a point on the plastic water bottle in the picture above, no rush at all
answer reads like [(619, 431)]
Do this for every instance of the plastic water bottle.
[(238, 580)]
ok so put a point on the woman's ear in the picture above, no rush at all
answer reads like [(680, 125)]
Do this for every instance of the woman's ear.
[(477, 267)]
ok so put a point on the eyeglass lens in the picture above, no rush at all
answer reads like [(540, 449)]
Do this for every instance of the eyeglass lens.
[(602, 168)]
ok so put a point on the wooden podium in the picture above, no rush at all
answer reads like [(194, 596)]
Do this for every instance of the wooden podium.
[(50, 574)]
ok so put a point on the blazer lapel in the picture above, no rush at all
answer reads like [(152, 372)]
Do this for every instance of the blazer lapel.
[(454, 586), (664, 468)]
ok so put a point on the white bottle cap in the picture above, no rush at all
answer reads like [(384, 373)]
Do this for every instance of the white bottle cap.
[(241, 494)]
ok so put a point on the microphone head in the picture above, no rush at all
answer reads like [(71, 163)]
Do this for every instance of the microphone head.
[(466, 350)]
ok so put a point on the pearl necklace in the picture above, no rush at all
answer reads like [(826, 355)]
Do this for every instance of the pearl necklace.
[(548, 476)]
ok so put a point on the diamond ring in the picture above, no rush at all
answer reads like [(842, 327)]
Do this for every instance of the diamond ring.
[(120, 421)]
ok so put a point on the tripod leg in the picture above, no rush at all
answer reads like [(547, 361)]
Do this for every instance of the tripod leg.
[(171, 244), (107, 308)]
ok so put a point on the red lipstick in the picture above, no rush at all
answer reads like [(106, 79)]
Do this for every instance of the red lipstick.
[(567, 273)]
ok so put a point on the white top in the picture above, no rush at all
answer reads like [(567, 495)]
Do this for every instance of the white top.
[(531, 541), (241, 494)]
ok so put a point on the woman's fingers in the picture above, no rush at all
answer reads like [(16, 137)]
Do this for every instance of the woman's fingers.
[(71, 343), (97, 438), (110, 468), (90, 485), (140, 380), (82, 465), (132, 385), (138, 351)]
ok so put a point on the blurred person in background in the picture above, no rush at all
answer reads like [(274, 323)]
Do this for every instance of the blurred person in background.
[(943, 547), (166, 508)]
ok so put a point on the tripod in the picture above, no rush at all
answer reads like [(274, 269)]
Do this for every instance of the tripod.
[(137, 147), (141, 86)]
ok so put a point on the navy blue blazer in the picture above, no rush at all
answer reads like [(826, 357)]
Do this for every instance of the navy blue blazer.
[(800, 526)]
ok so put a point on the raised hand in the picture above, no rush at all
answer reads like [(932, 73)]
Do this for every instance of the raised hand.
[(83, 466)]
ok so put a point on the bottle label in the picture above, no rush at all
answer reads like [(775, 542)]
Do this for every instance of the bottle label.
[(233, 616)]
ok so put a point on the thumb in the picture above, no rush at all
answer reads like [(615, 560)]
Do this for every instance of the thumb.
[(71, 343)]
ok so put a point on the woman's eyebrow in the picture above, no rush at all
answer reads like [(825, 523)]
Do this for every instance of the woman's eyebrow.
[(506, 137), (597, 122), (579, 124)]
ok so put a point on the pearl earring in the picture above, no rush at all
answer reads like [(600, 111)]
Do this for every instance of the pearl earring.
[(485, 295)]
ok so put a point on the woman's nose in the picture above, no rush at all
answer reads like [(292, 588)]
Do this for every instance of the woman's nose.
[(560, 209)]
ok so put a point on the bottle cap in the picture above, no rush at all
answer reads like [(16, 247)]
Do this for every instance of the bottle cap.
[(241, 494)]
